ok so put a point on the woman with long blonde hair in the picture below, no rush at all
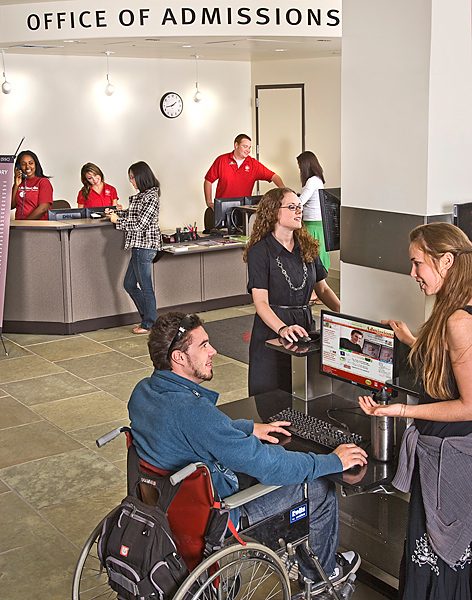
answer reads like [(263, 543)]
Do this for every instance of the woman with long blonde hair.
[(284, 268), (436, 454)]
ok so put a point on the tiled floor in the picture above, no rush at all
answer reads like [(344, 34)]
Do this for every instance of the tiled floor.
[(57, 395)]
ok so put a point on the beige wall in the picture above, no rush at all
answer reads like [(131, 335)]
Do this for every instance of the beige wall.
[(58, 103)]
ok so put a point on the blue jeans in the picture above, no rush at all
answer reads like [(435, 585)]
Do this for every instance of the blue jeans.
[(138, 284), (324, 523)]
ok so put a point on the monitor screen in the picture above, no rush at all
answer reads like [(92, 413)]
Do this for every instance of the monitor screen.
[(463, 218), (357, 351), (224, 212), (331, 216), (62, 214), (96, 212), (251, 200)]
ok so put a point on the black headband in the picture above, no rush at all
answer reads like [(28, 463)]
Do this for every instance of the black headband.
[(184, 326)]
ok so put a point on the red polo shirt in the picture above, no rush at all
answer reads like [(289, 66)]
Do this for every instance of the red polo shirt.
[(234, 182), (104, 199)]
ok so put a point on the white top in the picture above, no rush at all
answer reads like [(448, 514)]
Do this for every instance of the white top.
[(310, 199)]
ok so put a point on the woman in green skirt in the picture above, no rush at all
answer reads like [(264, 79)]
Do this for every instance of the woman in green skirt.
[(311, 176)]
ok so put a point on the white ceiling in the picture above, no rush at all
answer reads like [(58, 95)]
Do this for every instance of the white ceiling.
[(209, 48)]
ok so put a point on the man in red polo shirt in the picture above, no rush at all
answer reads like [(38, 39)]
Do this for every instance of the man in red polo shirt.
[(236, 173)]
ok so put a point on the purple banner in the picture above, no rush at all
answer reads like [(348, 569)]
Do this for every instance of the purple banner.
[(6, 183)]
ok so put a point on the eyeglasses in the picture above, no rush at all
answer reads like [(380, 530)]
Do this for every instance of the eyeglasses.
[(293, 207), (131, 178), (184, 326)]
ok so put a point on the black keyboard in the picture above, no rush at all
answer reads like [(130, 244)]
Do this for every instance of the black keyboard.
[(316, 430)]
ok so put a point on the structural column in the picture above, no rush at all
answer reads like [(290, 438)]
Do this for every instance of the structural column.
[(406, 142)]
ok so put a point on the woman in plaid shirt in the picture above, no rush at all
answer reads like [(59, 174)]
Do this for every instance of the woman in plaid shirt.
[(140, 222)]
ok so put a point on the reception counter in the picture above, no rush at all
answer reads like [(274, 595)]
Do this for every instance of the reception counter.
[(67, 277)]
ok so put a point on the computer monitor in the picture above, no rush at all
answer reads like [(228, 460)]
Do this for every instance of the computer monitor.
[(252, 200), (224, 216), (463, 218), (96, 210), (357, 351), (331, 216), (63, 214)]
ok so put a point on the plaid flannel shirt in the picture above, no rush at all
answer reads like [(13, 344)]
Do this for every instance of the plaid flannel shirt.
[(140, 221)]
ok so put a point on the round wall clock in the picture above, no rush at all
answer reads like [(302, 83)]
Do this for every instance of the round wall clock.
[(171, 105)]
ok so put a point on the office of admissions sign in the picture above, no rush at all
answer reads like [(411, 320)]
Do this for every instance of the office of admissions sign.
[(107, 18)]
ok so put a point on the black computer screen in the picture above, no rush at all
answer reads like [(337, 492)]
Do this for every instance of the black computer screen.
[(63, 214), (357, 351), (252, 200), (331, 215), (223, 211), (463, 218), (96, 210)]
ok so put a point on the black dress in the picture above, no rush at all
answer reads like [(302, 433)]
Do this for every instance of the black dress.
[(423, 574), (289, 298)]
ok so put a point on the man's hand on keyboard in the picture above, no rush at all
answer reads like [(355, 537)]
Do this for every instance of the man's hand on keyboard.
[(351, 455), (262, 430)]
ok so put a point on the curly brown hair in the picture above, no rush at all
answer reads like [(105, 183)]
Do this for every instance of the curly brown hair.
[(267, 216)]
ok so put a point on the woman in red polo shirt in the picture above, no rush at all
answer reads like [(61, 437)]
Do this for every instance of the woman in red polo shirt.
[(32, 191), (95, 192)]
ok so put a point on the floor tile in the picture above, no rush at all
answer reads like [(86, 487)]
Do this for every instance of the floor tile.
[(228, 377), (77, 518), (146, 359), (83, 411), (62, 478), (232, 396), (26, 339), (13, 413), (13, 350), (72, 347), (98, 365), (25, 368), (122, 384), (48, 388), (131, 346), (20, 524), (219, 314), (31, 442), (39, 572), (114, 333), (114, 450), (4, 488)]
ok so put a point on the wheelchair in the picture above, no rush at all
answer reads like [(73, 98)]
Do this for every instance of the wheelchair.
[(260, 563)]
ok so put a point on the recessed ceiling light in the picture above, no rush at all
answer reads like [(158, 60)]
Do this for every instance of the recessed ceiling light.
[(70, 41), (280, 50), (188, 46)]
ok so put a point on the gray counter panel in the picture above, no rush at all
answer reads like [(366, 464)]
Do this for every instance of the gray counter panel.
[(178, 279), (224, 273)]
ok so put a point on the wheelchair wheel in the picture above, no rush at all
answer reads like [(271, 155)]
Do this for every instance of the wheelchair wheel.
[(90, 582), (251, 572)]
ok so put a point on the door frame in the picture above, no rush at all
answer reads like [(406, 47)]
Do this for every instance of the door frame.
[(280, 86)]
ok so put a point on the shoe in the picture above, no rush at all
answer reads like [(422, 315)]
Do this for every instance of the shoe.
[(346, 564), (140, 330)]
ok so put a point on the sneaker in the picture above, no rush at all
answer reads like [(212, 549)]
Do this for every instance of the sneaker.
[(346, 564)]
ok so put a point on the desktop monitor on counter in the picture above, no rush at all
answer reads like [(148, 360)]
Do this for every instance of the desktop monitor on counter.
[(225, 216), (63, 214), (357, 351), (463, 218), (96, 212), (331, 217)]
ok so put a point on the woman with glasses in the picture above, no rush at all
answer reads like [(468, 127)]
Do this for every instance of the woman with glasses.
[(140, 222), (284, 268)]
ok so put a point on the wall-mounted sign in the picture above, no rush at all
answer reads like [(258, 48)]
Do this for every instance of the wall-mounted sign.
[(46, 21)]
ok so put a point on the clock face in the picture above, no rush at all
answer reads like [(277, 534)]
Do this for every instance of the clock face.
[(171, 105)]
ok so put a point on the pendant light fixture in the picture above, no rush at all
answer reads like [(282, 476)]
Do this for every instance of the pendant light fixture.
[(109, 88), (198, 95), (6, 85)]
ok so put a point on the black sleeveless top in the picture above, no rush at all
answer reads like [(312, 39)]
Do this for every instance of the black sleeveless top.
[(440, 428)]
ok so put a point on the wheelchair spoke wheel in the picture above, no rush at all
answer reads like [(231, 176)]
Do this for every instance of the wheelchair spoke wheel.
[(90, 582), (251, 572)]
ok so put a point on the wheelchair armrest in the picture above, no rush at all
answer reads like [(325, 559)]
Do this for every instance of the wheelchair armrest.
[(255, 491)]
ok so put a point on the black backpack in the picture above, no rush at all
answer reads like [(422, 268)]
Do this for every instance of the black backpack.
[(136, 546)]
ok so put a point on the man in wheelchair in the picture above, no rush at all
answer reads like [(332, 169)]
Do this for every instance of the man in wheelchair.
[(174, 422)]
